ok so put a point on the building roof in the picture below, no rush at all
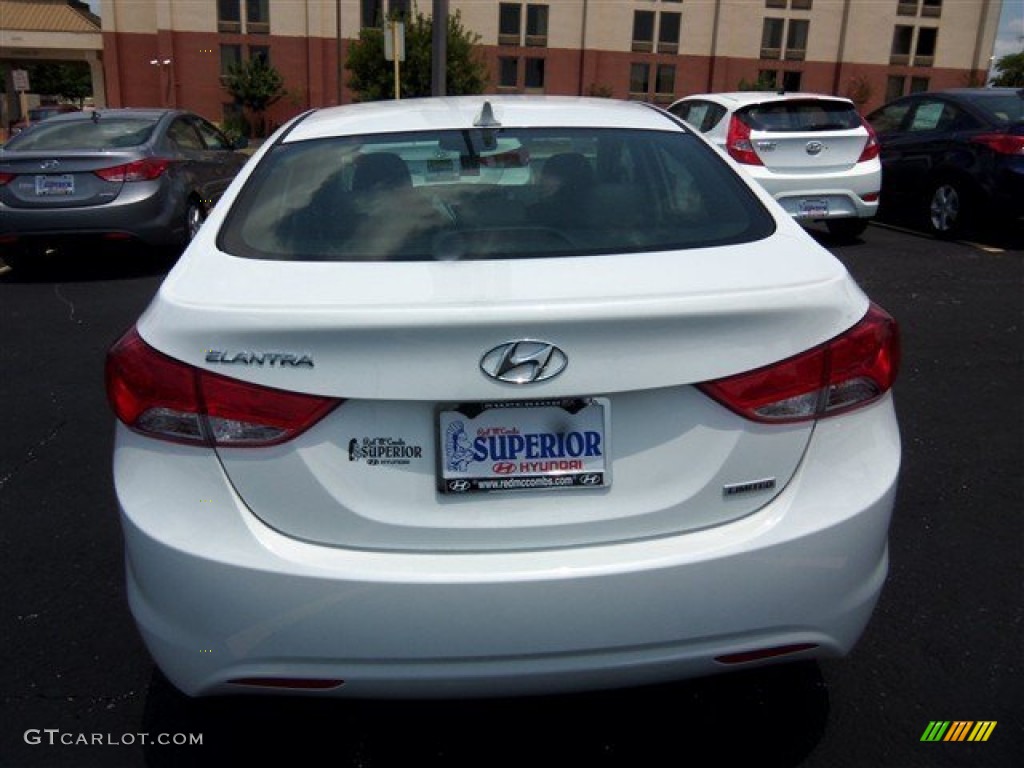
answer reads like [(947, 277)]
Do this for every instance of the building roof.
[(47, 16)]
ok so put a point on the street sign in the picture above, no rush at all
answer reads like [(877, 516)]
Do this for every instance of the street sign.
[(20, 77), (394, 38)]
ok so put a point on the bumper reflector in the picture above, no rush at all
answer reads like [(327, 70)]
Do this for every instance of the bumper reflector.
[(764, 653)]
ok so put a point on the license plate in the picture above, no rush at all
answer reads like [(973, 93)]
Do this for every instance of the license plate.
[(814, 208), (546, 445), (63, 184)]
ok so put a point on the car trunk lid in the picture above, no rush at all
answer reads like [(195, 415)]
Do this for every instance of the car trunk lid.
[(403, 346), (61, 179)]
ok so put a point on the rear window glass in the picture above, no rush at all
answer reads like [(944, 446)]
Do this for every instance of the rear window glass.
[(105, 133), (798, 116), (1004, 108), (475, 194)]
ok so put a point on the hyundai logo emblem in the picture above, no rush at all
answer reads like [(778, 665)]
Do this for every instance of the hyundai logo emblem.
[(524, 362), (47, 164), (814, 147)]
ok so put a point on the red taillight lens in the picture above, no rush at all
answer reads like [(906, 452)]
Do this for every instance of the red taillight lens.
[(141, 170), (850, 371), (738, 145), (167, 399), (1001, 143), (6, 178), (872, 149)]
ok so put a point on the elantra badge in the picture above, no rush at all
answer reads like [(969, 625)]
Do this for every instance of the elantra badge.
[(524, 362)]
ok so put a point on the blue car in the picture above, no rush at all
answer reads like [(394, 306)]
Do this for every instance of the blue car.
[(950, 156)]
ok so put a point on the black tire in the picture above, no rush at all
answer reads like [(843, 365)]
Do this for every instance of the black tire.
[(846, 229), (195, 215), (947, 208)]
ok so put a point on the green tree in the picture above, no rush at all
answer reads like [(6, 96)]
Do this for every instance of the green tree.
[(1011, 71), (372, 77), (256, 86), (70, 80), (764, 82)]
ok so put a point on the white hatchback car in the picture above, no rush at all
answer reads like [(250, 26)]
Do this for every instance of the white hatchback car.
[(609, 422), (815, 154)]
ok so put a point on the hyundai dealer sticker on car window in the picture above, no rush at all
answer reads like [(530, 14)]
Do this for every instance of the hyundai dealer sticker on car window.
[(516, 446)]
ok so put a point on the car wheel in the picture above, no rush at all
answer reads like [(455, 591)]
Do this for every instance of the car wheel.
[(947, 208), (195, 215), (847, 229)]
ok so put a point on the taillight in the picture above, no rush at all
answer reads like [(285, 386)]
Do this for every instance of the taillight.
[(872, 149), (167, 399), (1001, 143), (147, 169), (849, 371), (738, 145), (6, 178)]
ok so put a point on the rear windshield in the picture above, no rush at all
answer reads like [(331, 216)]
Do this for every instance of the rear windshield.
[(105, 133), (1004, 108), (475, 194), (800, 116)]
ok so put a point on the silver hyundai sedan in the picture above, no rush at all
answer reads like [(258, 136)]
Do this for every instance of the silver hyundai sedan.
[(120, 174), (563, 403)]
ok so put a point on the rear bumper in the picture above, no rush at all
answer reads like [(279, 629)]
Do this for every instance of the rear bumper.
[(146, 211), (218, 596), (843, 191)]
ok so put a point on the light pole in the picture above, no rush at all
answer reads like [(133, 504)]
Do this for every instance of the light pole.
[(165, 87)]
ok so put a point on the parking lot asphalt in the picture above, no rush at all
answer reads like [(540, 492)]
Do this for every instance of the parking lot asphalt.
[(945, 643)]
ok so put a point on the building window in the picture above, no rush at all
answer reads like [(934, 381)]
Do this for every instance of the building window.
[(774, 3), (260, 52), (257, 17), (665, 83), (508, 72), (894, 87), (771, 38), (229, 16), (668, 33), (902, 39), (371, 13), (537, 25), (398, 9), (510, 23), (643, 31), (229, 56), (796, 39), (639, 80), (918, 84), (924, 52), (931, 8), (791, 80), (802, 5), (534, 74)]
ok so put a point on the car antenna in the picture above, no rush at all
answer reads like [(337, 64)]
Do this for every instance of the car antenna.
[(486, 117)]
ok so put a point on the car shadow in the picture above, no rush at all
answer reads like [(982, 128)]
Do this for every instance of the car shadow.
[(771, 717), (88, 262)]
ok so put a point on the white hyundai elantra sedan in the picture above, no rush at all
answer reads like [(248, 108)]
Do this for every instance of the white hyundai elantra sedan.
[(495, 396)]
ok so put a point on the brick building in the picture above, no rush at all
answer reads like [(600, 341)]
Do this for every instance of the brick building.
[(173, 52)]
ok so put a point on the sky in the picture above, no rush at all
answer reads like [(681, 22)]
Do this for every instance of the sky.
[(1009, 38)]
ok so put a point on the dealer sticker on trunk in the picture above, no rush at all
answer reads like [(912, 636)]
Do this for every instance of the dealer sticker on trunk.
[(545, 445)]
